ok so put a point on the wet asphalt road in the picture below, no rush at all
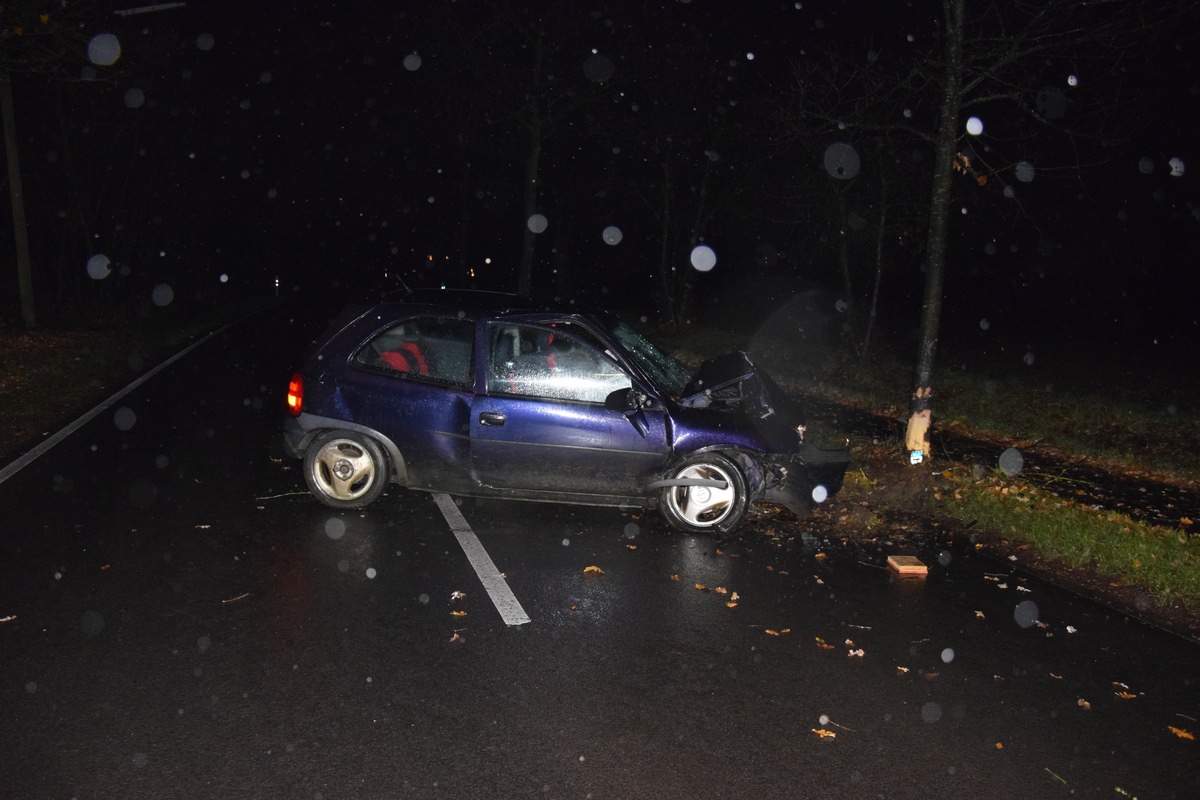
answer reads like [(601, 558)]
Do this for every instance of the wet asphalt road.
[(181, 620)]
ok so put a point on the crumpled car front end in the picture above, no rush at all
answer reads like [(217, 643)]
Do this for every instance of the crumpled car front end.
[(788, 470)]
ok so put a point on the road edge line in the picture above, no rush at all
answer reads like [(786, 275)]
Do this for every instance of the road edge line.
[(34, 453)]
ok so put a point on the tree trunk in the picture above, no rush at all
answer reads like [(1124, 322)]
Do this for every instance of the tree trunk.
[(666, 260), (20, 232), (880, 238), (917, 436), (532, 159), (525, 276)]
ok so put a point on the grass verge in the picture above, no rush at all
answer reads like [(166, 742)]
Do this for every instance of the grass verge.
[(1165, 562)]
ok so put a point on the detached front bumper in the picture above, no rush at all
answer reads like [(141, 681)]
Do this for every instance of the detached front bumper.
[(797, 478)]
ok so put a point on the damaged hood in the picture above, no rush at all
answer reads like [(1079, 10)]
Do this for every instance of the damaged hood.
[(733, 382)]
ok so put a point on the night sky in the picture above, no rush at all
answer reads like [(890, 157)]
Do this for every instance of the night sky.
[(333, 144)]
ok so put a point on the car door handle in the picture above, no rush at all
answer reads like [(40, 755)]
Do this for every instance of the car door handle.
[(492, 419)]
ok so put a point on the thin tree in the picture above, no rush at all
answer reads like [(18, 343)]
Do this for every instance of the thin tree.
[(991, 59)]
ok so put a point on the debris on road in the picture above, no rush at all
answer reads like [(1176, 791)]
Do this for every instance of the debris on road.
[(908, 565)]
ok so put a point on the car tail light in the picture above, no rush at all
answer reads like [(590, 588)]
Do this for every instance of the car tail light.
[(295, 395)]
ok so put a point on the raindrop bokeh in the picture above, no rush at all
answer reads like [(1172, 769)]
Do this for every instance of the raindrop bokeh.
[(99, 267), (1012, 462), (104, 49), (842, 161), (703, 258), (1026, 613)]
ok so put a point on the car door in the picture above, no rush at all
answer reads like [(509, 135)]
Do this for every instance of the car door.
[(541, 428), (412, 382)]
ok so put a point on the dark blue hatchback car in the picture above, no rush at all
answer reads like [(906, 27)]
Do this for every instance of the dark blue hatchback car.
[(491, 396)]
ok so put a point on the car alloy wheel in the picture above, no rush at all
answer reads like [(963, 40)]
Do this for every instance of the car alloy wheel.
[(345, 469), (715, 503)]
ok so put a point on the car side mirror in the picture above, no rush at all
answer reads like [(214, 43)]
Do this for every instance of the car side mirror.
[(627, 401), (621, 400)]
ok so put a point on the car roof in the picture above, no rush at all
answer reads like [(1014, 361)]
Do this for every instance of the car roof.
[(466, 299), (478, 304)]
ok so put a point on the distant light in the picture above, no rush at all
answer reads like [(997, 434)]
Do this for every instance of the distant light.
[(412, 62), (974, 126), (1072, 80), (537, 223), (612, 235)]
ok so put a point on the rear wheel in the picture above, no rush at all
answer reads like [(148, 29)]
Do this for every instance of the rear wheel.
[(715, 503), (344, 469)]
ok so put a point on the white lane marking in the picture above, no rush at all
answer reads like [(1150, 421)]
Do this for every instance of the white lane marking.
[(27, 459), (497, 588)]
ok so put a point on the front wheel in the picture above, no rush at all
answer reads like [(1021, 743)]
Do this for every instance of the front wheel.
[(715, 503), (345, 469)]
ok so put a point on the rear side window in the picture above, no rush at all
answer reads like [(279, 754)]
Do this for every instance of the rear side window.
[(434, 349)]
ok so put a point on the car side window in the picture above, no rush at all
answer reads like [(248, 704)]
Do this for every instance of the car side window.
[(434, 349), (550, 362)]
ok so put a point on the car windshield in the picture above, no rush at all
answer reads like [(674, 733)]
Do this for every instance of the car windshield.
[(667, 373)]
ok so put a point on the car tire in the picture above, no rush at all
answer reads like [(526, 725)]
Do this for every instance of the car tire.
[(345, 470), (705, 509)]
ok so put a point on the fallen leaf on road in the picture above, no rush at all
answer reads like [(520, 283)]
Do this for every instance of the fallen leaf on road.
[(593, 570), (721, 590), (824, 734), (999, 745), (859, 653), (902, 670), (824, 645), (1084, 704), (979, 615), (675, 578), (779, 632), (457, 595), (1125, 695), (454, 638), (631, 547), (458, 613), (1181, 733), (700, 587)]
